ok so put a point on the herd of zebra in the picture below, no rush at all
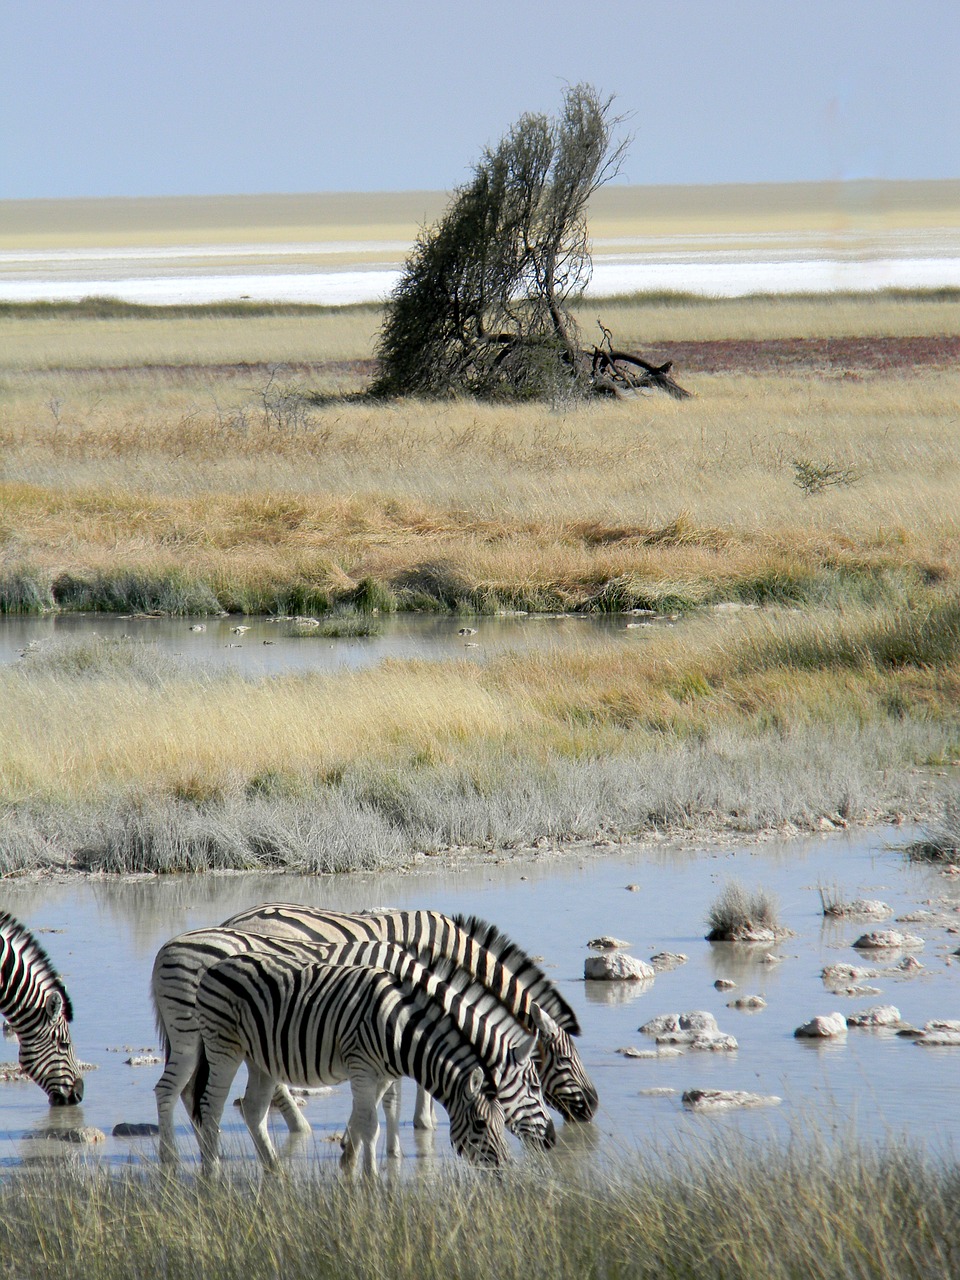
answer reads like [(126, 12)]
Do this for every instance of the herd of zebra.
[(308, 998)]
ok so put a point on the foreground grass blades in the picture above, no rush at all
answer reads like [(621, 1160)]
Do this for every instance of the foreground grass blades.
[(820, 1213)]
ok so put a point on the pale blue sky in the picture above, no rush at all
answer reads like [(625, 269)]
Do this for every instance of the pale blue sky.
[(177, 97)]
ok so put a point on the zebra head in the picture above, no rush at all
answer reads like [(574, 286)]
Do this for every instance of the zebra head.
[(46, 1050), (476, 1122), (521, 1097), (566, 1085)]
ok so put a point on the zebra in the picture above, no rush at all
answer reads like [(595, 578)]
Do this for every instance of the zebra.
[(178, 970), (323, 1023), (477, 946), (34, 1001)]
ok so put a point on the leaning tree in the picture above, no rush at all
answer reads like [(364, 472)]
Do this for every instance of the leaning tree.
[(483, 303)]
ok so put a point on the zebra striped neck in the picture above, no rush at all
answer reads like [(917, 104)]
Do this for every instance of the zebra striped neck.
[(22, 956)]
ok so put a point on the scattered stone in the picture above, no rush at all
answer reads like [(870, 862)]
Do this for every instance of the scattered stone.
[(917, 917), (633, 888), (724, 984), (143, 1060), (888, 939), (845, 974), (747, 933), (942, 1024), (747, 1002), (909, 1032), (909, 964), (878, 1015), (86, 1135), (661, 1023), (770, 958), (855, 992), (714, 1042), (859, 907), (129, 1130), (616, 966), (698, 1020), (631, 1052), (668, 960), (10, 1072), (606, 943), (824, 1027), (939, 1039), (725, 1099), (662, 1092)]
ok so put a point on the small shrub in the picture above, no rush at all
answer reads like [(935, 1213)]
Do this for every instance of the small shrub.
[(813, 477), (24, 591), (740, 912), (941, 839)]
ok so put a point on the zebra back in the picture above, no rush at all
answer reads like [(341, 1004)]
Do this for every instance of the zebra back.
[(34, 1000), (505, 968)]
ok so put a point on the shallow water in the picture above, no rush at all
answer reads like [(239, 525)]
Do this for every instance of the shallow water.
[(103, 935), (267, 647)]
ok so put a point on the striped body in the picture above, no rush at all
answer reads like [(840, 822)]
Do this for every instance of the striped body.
[(34, 1001), (501, 1041), (476, 946), (320, 1024)]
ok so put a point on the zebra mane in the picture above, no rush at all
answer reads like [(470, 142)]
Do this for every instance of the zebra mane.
[(19, 935), (516, 959)]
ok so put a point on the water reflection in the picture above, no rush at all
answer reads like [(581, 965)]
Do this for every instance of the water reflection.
[(270, 647)]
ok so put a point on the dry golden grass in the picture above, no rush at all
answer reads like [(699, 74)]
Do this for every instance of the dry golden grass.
[(238, 486)]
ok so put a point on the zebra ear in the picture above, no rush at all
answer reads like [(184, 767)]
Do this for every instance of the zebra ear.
[(53, 1005), (547, 1027), (475, 1082), (524, 1050)]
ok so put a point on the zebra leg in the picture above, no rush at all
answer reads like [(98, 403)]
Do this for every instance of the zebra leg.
[(256, 1108), (174, 1083), (391, 1114), (363, 1127), (209, 1105), (425, 1113), (296, 1120)]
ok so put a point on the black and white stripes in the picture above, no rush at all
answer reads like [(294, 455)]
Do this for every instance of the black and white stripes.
[(34, 1001)]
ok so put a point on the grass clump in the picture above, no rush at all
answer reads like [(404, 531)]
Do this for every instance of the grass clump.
[(743, 915), (941, 838)]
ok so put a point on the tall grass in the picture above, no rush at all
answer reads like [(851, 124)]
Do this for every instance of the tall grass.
[(134, 762), (820, 1214)]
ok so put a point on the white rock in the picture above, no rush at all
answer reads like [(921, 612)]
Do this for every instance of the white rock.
[(888, 939), (714, 1042), (668, 960), (845, 974), (909, 964), (939, 1039), (725, 1099), (616, 966), (824, 1027), (661, 1023), (942, 1024), (698, 1020), (606, 943), (878, 1015), (664, 1091), (747, 1002), (860, 907), (724, 984)]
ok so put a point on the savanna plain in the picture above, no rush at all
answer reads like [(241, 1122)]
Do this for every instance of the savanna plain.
[(791, 534)]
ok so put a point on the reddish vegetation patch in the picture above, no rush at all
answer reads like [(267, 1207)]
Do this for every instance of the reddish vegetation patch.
[(822, 355), (830, 356)]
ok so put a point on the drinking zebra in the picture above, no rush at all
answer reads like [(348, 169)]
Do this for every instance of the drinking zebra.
[(477, 946), (319, 1024), (181, 963), (34, 1001)]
